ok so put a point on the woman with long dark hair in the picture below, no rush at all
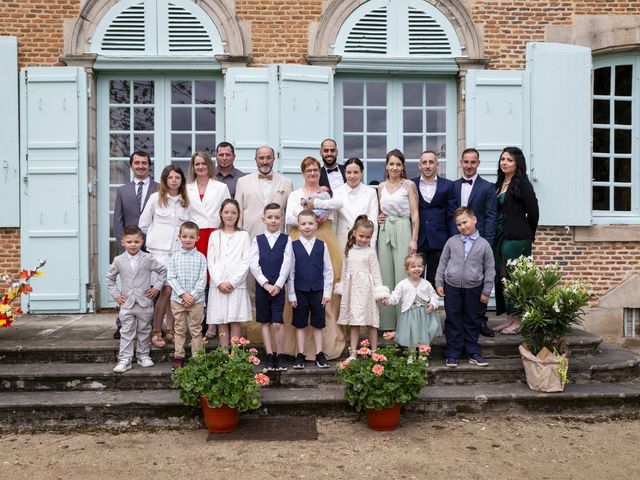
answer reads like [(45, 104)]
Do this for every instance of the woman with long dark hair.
[(517, 222)]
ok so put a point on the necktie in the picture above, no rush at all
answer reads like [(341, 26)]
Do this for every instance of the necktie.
[(139, 195), (265, 177), (331, 170), (470, 182)]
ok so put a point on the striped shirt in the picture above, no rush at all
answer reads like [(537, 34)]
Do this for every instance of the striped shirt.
[(187, 274)]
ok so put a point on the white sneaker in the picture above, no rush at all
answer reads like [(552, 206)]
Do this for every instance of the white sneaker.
[(145, 362), (122, 366)]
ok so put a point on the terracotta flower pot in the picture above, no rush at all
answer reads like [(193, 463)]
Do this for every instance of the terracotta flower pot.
[(384, 420), (219, 419)]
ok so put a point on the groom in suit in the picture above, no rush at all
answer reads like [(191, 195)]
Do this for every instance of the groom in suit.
[(480, 195), (131, 199), (437, 202), (332, 174), (258, 189)]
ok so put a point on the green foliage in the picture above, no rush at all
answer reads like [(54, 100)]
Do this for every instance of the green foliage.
[(224, 376), (548, 308), (400, 380)]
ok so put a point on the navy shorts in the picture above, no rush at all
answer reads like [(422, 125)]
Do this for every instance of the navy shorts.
[(309, 310), (269, 309)]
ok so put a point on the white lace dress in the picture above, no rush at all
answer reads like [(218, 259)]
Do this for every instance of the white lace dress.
[(360, 287)]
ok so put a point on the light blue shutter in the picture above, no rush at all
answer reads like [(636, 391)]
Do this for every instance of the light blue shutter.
[(495, 115), (9, 146), (306, 114), (251, 116), (560, 156), (53, 127)]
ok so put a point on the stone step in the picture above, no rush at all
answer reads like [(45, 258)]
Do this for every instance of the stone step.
[(105, 409), (32, 350), (612, 365)]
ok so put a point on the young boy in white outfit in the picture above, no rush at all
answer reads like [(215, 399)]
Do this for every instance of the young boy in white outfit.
[(140, 275)]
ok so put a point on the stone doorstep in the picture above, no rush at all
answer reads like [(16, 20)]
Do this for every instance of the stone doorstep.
[(611, 366), (163, 407), (106, 351)]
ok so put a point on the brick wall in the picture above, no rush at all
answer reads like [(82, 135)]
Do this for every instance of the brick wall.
[(10, 256)]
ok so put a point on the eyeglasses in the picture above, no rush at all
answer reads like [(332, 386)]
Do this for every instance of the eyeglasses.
[(311, 170)]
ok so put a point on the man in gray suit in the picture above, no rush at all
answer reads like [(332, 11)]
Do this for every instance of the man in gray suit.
[(131, 199)]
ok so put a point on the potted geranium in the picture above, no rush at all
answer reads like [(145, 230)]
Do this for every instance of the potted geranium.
[(223, 381), (549, 310), (381, 382)]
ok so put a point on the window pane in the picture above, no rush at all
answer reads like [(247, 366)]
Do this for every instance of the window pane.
[(205, 119), (412, 121), (118, 171), (622, 199), (622, 170), (438, 144), (602, 81), (601, 140), (413, 146), (144, 142), (622, 112), (181, 119), (376, 146), (183, 164), (206, 142), (376, 121), (601, 198), (624, 74), (206, 92), (119, 91), (436, 121), (375, 171), (377, 94), (181, 92), (180, 145), (622, 142), (143, 91), (353, 146), (601, 169), (119, 118), (601, 111), (412, 94), (352, 93), (436, 95), (412, 170), (143, 119), (119, 146), (353, 120)]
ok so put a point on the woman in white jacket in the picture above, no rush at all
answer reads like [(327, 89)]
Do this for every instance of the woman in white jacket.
[(206, 195), (160, 220), (357, 199)]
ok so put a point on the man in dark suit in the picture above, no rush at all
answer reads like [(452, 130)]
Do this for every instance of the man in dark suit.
[(131, 199), (331, 174), (437, 202), (480, 195)]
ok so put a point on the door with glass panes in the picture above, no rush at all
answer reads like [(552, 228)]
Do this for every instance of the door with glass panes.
[(169, 116)]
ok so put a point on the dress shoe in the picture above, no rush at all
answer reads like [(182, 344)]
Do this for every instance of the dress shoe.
[(485, 331), (116, 334)]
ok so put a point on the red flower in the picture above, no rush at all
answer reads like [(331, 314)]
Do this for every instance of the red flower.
[(26, 288), (378, 369), (24, 274)]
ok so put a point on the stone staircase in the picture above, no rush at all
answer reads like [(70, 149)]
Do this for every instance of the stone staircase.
[(57, 371)]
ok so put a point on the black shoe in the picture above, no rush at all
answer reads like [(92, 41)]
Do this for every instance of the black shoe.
[(281, 363), (269, 363), (116, 334), (299, 361), (321, 360), (485, 331)]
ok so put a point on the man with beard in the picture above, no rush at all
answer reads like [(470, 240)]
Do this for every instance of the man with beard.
[(332, 175)]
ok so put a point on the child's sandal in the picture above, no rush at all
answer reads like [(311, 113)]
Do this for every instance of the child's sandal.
[(156, 340)]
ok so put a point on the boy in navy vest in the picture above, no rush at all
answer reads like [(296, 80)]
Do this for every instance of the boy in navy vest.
[(310, 284), (270, 266)]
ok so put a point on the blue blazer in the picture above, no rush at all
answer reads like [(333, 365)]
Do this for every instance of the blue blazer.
[(436, 218), (125, 210), (484, 203)]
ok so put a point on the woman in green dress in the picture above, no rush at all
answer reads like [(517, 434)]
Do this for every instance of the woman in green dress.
[(517, 222)]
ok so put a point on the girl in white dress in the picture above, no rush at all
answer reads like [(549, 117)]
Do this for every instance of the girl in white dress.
[(357, 199), (166, 210), (228, 258), (361, 284)]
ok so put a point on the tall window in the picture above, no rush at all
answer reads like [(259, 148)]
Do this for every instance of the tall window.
[(615, 136)]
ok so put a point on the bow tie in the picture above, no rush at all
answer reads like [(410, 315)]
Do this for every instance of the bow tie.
[(331, 170), (470, 182), (265, 177), (466, 238)]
